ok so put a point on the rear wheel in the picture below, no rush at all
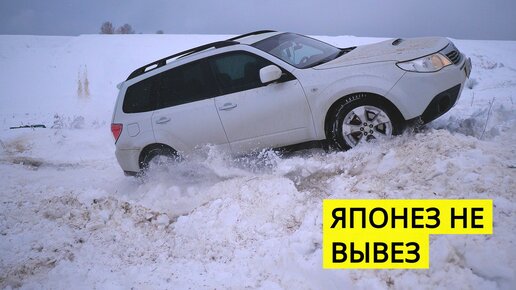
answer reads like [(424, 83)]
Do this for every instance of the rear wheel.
[(361, 119), (158, 156)]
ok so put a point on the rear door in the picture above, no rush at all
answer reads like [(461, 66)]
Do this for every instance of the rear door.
[(187, 117), (255, 115)]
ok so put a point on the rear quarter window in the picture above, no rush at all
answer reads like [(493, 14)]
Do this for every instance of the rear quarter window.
[(140, 97)]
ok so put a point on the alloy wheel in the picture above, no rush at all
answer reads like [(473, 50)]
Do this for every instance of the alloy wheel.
[(364, 124)]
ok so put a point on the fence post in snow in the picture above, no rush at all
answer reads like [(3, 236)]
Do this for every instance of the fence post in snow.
[(86, 82), (83, 84), (79, 84), (488, 115)]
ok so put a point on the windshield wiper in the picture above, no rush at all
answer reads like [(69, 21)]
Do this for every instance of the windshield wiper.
[(320, 62), (347, 49), (342, 51)]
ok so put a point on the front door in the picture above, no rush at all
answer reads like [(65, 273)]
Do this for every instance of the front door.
[(255, 115)]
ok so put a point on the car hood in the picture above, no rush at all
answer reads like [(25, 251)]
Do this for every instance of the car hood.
[(389, 50)]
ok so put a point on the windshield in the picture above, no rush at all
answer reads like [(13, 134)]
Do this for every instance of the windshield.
[(297, 50)]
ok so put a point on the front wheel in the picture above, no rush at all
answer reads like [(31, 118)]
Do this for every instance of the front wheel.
[(361, 119)]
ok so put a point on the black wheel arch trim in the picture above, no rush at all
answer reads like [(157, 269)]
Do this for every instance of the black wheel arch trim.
[(329, 118), (167, 150)]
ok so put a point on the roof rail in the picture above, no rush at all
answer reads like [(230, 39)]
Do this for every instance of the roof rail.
[(163, 61), (217, 44), (251, 33)]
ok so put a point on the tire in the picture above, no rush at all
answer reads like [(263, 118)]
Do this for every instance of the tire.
[(362, 118), (158, 156)]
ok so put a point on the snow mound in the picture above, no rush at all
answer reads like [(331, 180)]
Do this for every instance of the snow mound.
[(70, 219)]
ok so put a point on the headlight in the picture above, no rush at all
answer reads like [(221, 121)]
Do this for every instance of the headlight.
[(430, 63)]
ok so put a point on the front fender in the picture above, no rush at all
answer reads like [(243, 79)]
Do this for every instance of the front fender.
[(377, 78)]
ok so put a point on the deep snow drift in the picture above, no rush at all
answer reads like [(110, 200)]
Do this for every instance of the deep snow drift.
[(70, 219)]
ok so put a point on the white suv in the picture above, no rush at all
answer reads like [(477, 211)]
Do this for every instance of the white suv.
[(271, 89)]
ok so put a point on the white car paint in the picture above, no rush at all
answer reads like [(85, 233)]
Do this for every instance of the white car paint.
[(286, 113), (260, 119)]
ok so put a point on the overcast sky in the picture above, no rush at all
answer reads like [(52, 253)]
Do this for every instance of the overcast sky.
[(464, 19)]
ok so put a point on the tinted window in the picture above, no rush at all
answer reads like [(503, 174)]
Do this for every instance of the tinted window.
[(140, 97), (184, 84), (238, 71)]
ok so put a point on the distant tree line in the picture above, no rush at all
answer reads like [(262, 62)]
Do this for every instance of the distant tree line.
[(108, 28)]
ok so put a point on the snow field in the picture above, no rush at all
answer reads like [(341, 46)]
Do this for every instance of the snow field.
[(70, 219)]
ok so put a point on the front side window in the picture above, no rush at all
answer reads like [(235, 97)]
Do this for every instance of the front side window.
[(297, 50), (238, 71)]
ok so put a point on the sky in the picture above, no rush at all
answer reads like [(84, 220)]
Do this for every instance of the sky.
[(462, 19)]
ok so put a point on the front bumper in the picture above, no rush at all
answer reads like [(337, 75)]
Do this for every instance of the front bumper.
[(445, 100), (441, 104), (414, 93)]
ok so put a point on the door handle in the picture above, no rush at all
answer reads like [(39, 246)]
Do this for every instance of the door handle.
[(227, 106), (163, 120)]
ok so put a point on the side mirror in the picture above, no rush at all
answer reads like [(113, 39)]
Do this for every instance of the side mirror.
[(270, 73)]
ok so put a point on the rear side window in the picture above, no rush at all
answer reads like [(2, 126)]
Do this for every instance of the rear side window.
[(180, 85), (185, 84)]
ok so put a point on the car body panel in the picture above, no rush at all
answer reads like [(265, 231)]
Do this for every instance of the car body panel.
[(407, 49), (127, 139), (324, 87), (283, 116), (186, 126), (414, 91), (289, 112), (128, 159)]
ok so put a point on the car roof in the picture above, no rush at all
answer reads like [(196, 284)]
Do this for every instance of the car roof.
[(252, 39), (246, 39)]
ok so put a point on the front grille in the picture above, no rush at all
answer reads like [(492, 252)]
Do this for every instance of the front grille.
[(454, 56)]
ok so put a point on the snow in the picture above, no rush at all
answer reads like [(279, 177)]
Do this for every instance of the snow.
[(69, 218)]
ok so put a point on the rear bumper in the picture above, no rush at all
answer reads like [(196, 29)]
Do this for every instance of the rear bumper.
[(128, 160), (131, 173)]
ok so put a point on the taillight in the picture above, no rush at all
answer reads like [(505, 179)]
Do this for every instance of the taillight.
[(116, 129)]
